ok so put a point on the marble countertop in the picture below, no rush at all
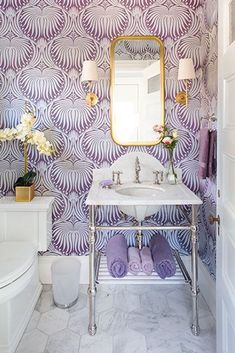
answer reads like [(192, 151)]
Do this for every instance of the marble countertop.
[(178, 194)]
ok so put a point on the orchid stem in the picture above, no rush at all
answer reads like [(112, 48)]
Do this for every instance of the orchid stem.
[(25, 158)]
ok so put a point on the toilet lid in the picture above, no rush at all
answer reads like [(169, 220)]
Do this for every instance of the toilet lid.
[(15, 259)]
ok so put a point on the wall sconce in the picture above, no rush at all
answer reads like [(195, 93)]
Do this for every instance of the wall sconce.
[(186, 72), (90, 75)]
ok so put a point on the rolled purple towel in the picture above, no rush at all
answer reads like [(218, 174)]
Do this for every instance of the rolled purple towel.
[(146, 260), (116, 253), (134, 262), (163, 260)]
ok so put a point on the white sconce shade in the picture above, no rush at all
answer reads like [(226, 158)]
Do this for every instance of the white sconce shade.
[(89, 71), (90, 75), (186, 69), (186, 72)]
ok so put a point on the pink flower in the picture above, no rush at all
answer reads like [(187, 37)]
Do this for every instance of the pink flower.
[(167, 140), (158, 128)]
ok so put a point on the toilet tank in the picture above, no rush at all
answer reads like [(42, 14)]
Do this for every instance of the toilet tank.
[(28, 221)]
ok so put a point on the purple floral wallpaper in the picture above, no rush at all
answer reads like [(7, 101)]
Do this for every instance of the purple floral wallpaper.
[(42, 46)]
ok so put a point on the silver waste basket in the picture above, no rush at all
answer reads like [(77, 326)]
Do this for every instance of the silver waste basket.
[(65, 275)]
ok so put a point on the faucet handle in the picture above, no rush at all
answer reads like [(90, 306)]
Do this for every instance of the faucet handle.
[(118, 173), (156, 181), (162, 176)]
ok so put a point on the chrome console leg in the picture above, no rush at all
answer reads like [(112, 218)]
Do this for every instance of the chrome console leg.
[(194, 263), (92, 284), (139, 236)]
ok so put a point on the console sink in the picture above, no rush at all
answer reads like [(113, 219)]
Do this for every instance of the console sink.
[(139, 191)]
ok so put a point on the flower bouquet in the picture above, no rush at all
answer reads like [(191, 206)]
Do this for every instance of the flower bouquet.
[(24, 132), (169, 139)]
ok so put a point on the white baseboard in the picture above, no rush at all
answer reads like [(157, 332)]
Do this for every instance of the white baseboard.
[(206, 283), (45, 263)]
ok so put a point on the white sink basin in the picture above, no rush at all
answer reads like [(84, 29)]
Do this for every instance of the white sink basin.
[(140, 191)]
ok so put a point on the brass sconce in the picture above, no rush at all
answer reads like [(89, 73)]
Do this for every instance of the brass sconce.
[(186, 72), (90, 75)]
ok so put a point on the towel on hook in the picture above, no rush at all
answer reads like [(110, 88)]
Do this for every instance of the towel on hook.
[(134, 262), (212, 154), (146, 260), (163, 260), (116, 253), (203, 152)]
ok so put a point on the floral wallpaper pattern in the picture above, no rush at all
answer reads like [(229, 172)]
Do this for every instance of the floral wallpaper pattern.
[(43, 44)]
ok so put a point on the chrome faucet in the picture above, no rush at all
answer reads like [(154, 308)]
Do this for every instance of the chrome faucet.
[(118, 180), (137, 170)]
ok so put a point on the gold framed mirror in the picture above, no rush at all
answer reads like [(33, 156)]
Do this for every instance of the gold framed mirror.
[(137, 89)]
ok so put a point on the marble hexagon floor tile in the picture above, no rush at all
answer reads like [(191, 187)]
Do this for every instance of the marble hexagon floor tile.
[(78, 321), (32, 342), (112, 321), (45, 302), (129, 342), (53, 321), (126, 301), (130, 319), (63, 341), (104, 300), (100, 343)]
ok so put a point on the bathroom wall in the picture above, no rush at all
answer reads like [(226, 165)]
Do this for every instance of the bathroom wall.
[(43, 44)]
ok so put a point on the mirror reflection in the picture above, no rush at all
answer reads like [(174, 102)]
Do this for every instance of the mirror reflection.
[(137, 89)]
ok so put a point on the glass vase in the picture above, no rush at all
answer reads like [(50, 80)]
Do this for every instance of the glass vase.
[(170, 170)]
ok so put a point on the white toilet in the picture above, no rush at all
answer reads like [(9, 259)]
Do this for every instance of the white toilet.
[(25, 229)]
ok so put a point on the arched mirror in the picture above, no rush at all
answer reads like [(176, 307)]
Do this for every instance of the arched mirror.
[(137, 89)]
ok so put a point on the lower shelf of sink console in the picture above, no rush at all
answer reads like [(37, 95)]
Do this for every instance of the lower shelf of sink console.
[(141, 278)]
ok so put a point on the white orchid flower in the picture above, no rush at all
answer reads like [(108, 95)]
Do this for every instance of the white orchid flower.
[(25, 134), (175, 134), (7, 134), (22, 133), (45, 148), (27, 120)]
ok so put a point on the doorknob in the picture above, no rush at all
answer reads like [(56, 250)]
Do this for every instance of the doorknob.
[(212, 219)]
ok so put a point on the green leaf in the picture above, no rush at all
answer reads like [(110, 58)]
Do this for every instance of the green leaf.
[(26, 180)]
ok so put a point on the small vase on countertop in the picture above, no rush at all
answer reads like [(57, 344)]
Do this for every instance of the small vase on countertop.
[(169, 138), (171, 175)]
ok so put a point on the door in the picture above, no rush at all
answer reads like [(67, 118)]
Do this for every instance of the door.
[(226, 180)]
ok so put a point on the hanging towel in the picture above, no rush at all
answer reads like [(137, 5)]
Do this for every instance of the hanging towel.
[(163, 260), (116, 253), (134, 262), (212, 154), (203, 152), (146, 260)]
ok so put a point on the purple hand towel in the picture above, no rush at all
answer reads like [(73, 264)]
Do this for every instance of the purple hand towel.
[(203, 152), (116, 253), (134, 260), (163, 260), (146, 260), (212, 154)]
